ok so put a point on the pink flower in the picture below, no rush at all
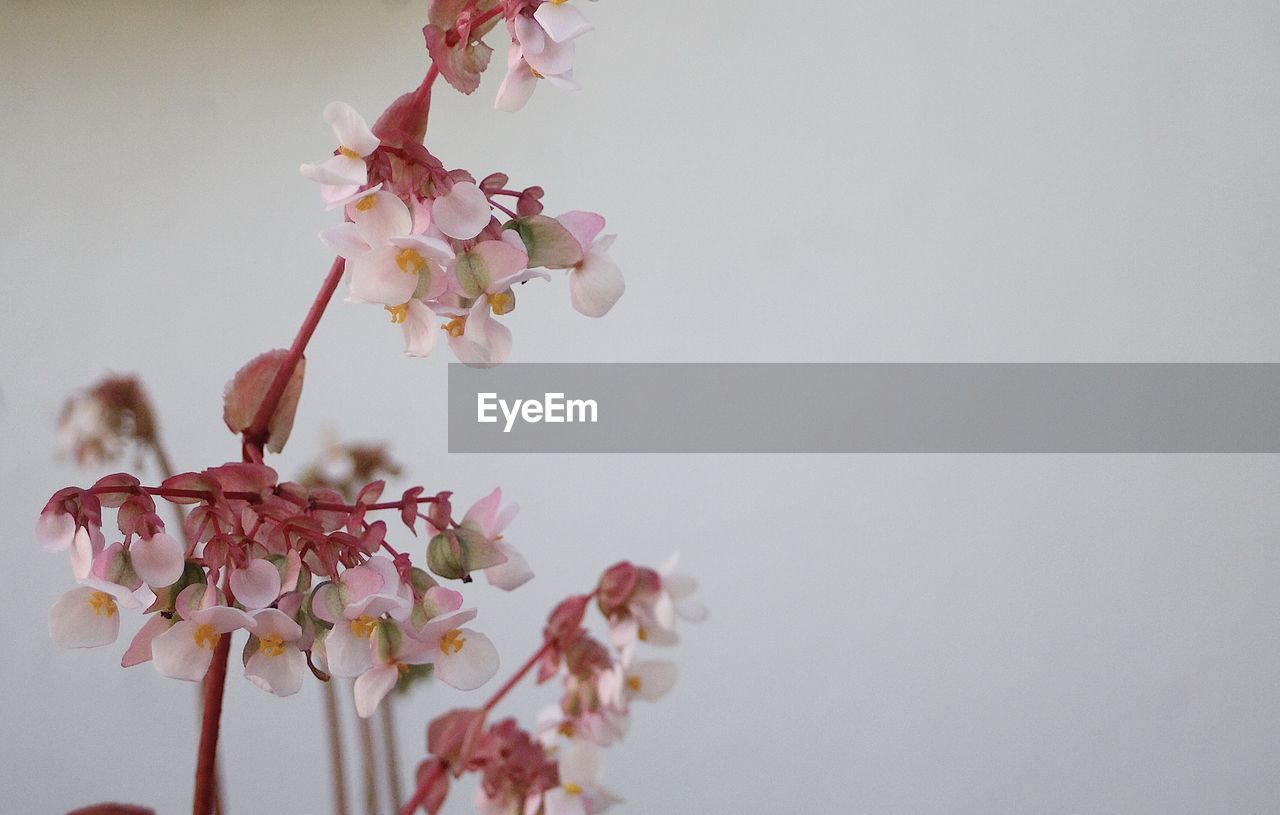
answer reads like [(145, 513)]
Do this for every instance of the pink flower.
[(346, 171), (486, 272), (257, 584), (487, 519), (580, 791), (463, 657), (542, 48), (277, 666), (89, 615), (185, 651), (595, 282)]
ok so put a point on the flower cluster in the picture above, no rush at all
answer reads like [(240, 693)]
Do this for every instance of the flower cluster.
[(309, 577), (424, 244), (97, 425), (555, 768)]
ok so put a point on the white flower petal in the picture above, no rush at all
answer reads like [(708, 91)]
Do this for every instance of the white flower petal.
[(184, 651), (562, 22), (419, 330), (280, 674), (350, 128), (470, 666), (84, 617), (158, 560), (462, 212), (348, 654), (510, 575), (595, 284), (257, 585), (372, 686), (380, 217), (651, 679), (55, 530)]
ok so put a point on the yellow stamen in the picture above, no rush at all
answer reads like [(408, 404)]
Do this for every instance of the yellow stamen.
[(642, 634), (205, 636), (365, 204), (502, 303), (452, 641), (455, 327), (272, 645), (410, 261), (103, 604), (398, 313), (536, 75), (362, 627), (572, 788), (566, 730), (633, 682), (348, 152), (401, 668)]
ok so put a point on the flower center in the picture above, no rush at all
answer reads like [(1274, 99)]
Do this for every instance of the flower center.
[(536, 75), (398, 313), (362, 627), (365, 204), (410, 261), (572, 788), (205, 636), (502, 303), (455, 327), (633, 682), (642, 634), (272, 645), (103, 604), (452, 641), (566, 730), (348, 152)]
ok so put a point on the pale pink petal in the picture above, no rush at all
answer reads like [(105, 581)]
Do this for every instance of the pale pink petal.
[(562, 22), (419, 330), (184, 651), (529, 34), (584, 226), (554, 58), (484, 513), (139, 650), (359, 582), (380, 217), (345, 240), (84, 617), (462, 212), (273, 621), (257, 585), (440, 600), (518, 84), (377, 278), (55, 530), (158, 560), (691, 610), (485, 342), (85, 546), (559, 802), (280, 674), (348, 653), (595, 284), (339, 170), (470, 666), (650, 679), (580, 764), (222, 618), (510, 575), (350, 128), (372, 686)]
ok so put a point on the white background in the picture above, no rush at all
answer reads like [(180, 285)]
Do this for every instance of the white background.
[(829, 181)]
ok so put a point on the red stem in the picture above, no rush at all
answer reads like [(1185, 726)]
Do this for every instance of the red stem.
[(255, 435), (423, 789), (516, 677), (207, 759), (253, 497)]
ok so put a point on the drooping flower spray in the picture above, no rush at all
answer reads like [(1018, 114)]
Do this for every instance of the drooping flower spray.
[(326, 577)]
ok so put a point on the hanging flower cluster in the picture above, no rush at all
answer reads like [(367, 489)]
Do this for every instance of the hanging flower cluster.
[(555, 769), (427, 243), (311, 579), (306, 568)]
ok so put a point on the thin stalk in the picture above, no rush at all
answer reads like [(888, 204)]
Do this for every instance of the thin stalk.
[(368, 765), (390, 751), (338, 771), (206, 762)]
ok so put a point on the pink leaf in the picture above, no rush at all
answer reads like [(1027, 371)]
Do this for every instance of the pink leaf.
[(246, 391)]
